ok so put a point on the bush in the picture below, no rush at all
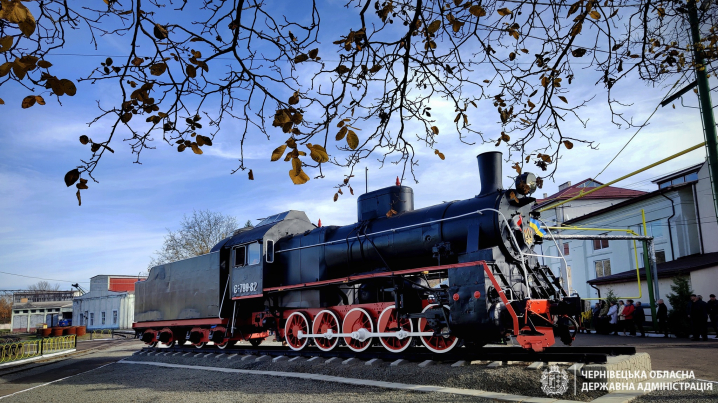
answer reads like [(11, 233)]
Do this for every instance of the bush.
[(678, 322)]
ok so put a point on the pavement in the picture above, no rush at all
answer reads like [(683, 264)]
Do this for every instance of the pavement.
[(94, 371)]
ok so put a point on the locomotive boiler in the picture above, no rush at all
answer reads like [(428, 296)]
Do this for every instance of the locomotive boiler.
[(458, 271)]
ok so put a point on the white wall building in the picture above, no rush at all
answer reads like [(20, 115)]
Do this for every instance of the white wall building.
[(681, 218), (110, 303)]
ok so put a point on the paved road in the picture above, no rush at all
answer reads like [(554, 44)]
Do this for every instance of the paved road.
[(666, 354)]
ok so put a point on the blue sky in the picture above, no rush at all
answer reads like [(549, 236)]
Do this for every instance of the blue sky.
[(43, 233)]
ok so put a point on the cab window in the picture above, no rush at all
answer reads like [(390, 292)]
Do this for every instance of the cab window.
[(254, 254), (239, 256)]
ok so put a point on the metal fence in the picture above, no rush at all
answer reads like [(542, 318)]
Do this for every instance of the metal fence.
[(19, 350)]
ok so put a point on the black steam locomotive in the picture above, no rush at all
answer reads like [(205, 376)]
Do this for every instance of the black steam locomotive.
[(460, 270)]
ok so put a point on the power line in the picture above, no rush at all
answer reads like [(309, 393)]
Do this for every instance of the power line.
[(41, 278)]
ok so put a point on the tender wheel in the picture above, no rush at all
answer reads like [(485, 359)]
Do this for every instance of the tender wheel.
[(437, 344), (388, 323), (226, 344), (356, 320), (171, 344), (323, 322), (255, 342), (200, 345), (296, 322), (153, 344)]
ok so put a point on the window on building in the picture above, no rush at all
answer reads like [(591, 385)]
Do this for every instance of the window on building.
[(692, 177), (24, 311), (33, 310), (92, 319), (17, 311), (599, 244), (660, 256), (103, 317), (86, 316), (566, 249), (114, 317), (655, 229), (603, 268)]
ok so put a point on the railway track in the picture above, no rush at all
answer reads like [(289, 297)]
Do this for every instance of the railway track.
[(595, 355)]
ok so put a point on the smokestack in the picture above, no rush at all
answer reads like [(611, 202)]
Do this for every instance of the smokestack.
[(489, 171)]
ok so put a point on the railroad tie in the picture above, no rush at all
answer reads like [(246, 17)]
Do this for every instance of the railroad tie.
[(536, 365), (262, 358), (460, 363), (280, 358), (427, 363), (398, 362), (231, 356), (297, 359)]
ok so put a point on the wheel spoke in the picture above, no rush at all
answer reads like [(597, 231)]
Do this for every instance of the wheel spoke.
[(354, 321), (390, 322), (437, 344)]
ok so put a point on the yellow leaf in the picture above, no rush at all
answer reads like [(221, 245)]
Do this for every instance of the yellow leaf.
[(40, 100), (6, 43), (595, 15), (296, 165), (68, 86), (278, 152), (28, 101), (435, 129), (568, 144), (318, 153), (352, 140), (336, 196), (2, 102), (196, 149), (457, 117), (477, 11), (576, 29), (298, 178), (504, 11), (341, 133), (531, 104), (16, 12), (434, 26), (563, 98), (5, 69)]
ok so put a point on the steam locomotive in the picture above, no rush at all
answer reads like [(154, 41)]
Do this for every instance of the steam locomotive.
[(460, 272)]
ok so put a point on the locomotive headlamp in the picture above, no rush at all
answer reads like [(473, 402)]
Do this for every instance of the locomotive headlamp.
[(526, 183)]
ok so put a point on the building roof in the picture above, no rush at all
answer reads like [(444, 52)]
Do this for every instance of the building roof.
[(673, 268), (121, 276), (628, 202), (42, 305), (608, 192), (679, 172)]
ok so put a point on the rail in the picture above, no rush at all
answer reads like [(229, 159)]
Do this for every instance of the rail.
[(20, 350), (598, 355)]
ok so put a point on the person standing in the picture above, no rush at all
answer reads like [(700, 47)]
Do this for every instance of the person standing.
[(639, 317), (621, 319), (613, 318), (689, 308), (628, 311), (713, 312), (699, 316), (596, 314), (662, 317)]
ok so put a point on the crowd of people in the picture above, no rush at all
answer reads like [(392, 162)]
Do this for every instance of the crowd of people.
[(614, 317)]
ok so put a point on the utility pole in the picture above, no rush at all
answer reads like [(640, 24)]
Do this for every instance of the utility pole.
[(704, 95)]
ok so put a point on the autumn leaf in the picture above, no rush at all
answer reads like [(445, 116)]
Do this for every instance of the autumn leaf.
[(68, 87), (477, 11), (391, 213), (278, 152), (512, 56), (2, 102), (517, 167), (126, 117), (504, 11), (434, 26), (79, 199), (563, 98), (578, 52), (158, 69), (44, 64), (440, 154), (352, 140), (301, 58), (313, 53), (5, 69), (595, 15), (251, 175), (6, 43), (28, 101), (298, 178), (336, 196), (71, 177), (191, 71), (341, 133), (160, 32), (82, 184), (576, 29), (318, 153), (40, 100), (435, 129), (196, 149), (568, 144)]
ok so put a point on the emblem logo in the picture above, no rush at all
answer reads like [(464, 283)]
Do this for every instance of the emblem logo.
[(554, 381), (529, 236)]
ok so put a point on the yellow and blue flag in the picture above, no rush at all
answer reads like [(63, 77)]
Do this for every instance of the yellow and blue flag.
[(536, 226)]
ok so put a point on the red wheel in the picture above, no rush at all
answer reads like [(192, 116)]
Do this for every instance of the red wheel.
[(324, 322), (358, 320), (296, 323), (389, 323), (437, 344)]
